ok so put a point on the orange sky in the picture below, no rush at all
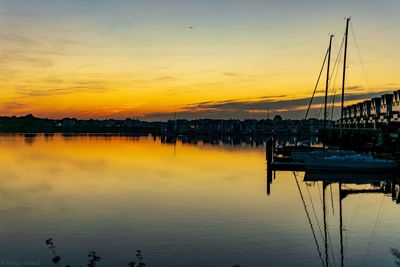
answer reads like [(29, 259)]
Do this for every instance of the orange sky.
[(142, 59)]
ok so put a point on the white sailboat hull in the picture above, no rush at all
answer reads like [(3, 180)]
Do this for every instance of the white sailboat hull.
[(300, 156), (349, 162)]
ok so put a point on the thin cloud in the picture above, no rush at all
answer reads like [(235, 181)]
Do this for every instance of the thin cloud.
[(356, 88), (166, 78), (231, 74), (266, 104), (18, 58), (256, 108), (16, 38), (63, 91), (12, 105)]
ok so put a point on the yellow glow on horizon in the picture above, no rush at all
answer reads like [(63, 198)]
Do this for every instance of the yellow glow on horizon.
[(127, 164), (93, 65)]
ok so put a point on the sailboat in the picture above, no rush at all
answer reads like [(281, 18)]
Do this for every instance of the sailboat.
[(345, 160), (298, 152)]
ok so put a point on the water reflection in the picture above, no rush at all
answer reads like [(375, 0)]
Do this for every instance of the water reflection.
[(186, 203), (29, 138), (346, 185), (232, 140)]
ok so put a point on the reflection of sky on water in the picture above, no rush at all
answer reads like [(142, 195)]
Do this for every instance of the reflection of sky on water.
[(202, 205)]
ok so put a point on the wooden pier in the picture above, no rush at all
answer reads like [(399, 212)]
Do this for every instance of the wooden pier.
[(287, 166)]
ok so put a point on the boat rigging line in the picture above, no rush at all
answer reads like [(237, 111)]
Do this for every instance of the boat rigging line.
[(315, 213), (333, 74), (313, 94), (337, 60), (374, 230), (353, 219), (327, 82), (316, 85), (309, 220), (359, 56)]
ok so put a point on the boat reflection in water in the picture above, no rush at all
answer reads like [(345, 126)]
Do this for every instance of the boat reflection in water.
[(334, 187)]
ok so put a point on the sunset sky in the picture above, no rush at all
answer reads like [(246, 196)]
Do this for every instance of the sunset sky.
[(196, 58)]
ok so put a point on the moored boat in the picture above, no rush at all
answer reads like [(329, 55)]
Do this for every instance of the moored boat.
[(348, 162)]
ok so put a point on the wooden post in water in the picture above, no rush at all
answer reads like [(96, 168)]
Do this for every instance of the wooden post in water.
[(268, 151), (387, 188), (393, 187), (269, 161), (398, 198), (269, 180)]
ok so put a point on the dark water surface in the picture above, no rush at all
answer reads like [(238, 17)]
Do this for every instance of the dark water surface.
[(182, 205)]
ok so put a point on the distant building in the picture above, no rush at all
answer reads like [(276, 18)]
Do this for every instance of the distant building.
[(68, 123), (378, 112)]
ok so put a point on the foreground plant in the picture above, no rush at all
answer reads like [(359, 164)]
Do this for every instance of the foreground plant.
[(140, 260), (50, 244), (396, 254), (94, 258)]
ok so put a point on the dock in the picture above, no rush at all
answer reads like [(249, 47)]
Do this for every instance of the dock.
[(287, 166)]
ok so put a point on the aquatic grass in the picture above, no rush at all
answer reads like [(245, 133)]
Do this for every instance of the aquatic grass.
[(94, 258)]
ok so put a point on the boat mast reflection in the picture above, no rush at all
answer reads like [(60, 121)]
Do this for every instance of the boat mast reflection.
[(380, 183), (386, 184)]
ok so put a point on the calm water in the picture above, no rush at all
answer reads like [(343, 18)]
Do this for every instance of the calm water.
[(183, 205)]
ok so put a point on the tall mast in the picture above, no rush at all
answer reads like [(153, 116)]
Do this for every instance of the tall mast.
[(344, 69), (327, 83)]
